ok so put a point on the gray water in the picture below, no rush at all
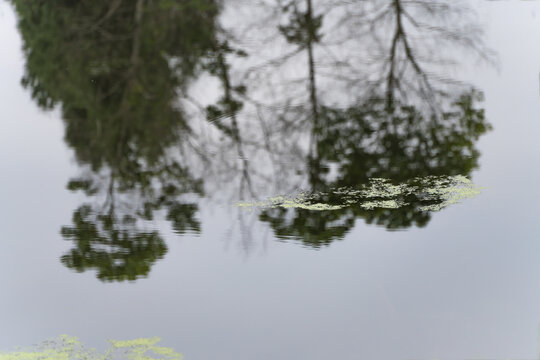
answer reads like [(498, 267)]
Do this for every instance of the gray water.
[(218, 281)]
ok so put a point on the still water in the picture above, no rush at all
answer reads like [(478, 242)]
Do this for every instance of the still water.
[(303, 179)]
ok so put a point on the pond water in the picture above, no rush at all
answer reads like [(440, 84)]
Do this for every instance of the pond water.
[(300, 179)]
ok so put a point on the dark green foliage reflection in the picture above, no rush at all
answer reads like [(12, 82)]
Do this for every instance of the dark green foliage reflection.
[(408, 124), (116, 69), (116, 249), (368, 98)]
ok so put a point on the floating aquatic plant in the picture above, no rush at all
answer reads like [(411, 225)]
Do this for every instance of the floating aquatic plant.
[(70, 348), (431, 193)]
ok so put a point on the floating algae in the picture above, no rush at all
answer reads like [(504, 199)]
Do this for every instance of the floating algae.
[(430, 193), (69, 348)]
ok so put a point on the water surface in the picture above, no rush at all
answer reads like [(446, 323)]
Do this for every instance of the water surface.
[(131, 132)]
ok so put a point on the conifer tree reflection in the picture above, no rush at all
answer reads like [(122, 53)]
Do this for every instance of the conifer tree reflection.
[(116, 69)]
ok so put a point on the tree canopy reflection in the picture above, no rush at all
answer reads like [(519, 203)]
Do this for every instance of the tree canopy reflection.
[(368, 98), (116, 69), (368, 141), (411, 120)]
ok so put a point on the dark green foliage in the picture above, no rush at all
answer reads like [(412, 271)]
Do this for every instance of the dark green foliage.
[(183, 218), (116, 69), (314, 228), (118, 251), (115, 76), (368, 141)]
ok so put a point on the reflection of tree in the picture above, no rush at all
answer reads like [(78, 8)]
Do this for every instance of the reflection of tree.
[(108, 238), (315, 229), (303, 30), (116, 69), (411, 45), (367, 141), (368, 97), (410, 122), (352, 49), (224, 114), (115, 248)]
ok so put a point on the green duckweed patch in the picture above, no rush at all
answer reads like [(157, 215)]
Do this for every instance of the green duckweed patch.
[(70, 348), (431, 193)]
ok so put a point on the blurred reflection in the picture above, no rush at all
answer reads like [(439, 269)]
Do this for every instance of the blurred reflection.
[(116, 69), (313, 94), (370, 141), (410, 121)]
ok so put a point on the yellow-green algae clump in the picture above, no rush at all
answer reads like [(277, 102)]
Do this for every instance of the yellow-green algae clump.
[(430, 193), (69, 348)]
